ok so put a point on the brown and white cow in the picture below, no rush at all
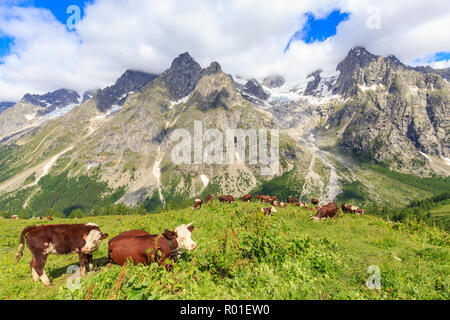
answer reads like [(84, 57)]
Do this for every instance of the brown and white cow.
[(352, 209), (83, 239), (209, 198), (280, 204), (14, 217), (143, 248), (246, 197), (328, 211), (226, 198), (268, 211), (198, 203)]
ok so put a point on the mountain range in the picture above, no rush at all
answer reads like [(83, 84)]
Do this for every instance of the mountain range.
[(343, 137)]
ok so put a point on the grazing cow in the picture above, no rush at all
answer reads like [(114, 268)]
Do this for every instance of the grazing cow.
[(268, 211), (59, 239), (280, 204), (246, 197), (268, 199), (328, 211), (227, 198), (198, 203), (14, 217), (209, 198), (141, 247), (352, 209), (314, 201)]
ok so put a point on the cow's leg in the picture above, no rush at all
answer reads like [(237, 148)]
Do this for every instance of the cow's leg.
[(82, 259), (33, 269), (39, 265), (90, 262)]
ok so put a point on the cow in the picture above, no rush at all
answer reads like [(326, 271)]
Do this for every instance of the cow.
[(227, 198), (292, 201), (328, 211), (246, 197), (14, 217), (209, 198), (258, 197), (198, 203), (49, 218), (268, 199), (352, 209), (280, 204), (268, 211), (140, 247), (42, 240), (314, 201)]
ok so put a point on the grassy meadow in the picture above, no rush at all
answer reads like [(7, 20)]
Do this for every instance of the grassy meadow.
[(242, 254)]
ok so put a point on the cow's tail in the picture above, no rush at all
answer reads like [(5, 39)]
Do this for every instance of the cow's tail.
[(22, 243)]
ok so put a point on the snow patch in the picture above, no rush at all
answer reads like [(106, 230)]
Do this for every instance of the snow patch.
[(58, 113), (205, 180), (373, 87), (30, 117), (182, 100), (447, 161), (426, 156)]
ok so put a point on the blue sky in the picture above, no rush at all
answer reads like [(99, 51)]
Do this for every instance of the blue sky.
[(318, 29), (58, 9)]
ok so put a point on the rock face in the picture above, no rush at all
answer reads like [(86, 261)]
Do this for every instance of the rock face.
[(253, 88), (313, 84), (116, 94), (182, 77), (444, 73), (393, 112), (6, 105)]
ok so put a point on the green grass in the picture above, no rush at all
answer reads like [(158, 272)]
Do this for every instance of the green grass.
[(243, 255)]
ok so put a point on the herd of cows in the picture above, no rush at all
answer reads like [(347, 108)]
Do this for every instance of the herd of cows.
[(137, 246), (327, 211)]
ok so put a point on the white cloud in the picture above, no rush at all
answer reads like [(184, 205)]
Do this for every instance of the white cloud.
[(246, 37)]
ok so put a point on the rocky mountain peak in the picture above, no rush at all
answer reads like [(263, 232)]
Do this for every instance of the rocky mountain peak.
[(214, 67), (313, 84), (52, 100), (5, 105), (254, 88), (182, 76), (130, 81), (357, 57)]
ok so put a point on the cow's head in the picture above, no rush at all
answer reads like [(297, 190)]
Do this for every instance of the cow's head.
[(183, 235), (93, 239)]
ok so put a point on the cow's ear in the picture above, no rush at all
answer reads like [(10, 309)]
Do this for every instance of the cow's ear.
[(104, 236), (191, 228), (169, 234)]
